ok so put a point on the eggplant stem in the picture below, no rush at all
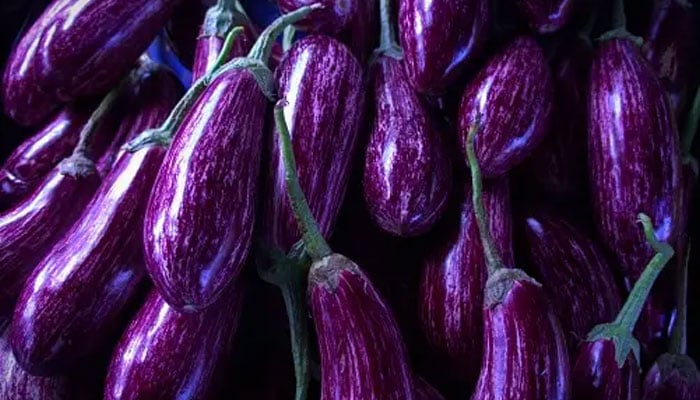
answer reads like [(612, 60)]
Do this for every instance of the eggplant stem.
[(690, 128), (618, 13), (388, 45), (262, 49), (225, 51), (288, 37), (220, 18), (494, 262), (87, 134), (315, 244), (620, 330), (679, 334)]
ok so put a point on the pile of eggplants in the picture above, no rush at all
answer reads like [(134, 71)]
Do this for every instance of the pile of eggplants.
[(512, 184)]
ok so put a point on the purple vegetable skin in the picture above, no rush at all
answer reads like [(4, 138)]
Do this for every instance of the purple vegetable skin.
[(80, 289), (200, 217), (77, 49), (453, 277), (512, 96), (440, 38), (575, 273), (672, 377), (354, 325), (165, 354), (547, 16), (407, 175), (316, 72), (596, 375)]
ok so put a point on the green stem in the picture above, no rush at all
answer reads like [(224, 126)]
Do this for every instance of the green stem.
[(388, 45), (220, 18), (316, 245), (87, 134), (679, 335), (288, 38), (225, 52), (690, 128), (494, 261), (263, 47)]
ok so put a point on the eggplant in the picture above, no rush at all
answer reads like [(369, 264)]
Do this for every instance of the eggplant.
[(597, 376), (547, 16), (440, 38), (672, 377), (81, 288), (557, 167), (354, 324), (324, 134), (18, 384), (165, 354), (452, 282), (670, 46), (574, 271), (75, 50), (407, 176), (424, 391), (512, 97), (36, 156)]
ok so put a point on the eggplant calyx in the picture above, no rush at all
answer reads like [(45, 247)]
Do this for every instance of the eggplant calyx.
[(78, 166), (326, 271), (621, 34), (622, 338), (222, 17), (500, 282), (680, 364)]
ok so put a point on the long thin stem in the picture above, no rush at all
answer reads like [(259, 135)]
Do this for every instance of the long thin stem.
[(690, 128), (316, 245), (679, 335), (288, 38), (294, 297), (388, 45), (494, 262), (619, 19), (263, 46), (87, 134)]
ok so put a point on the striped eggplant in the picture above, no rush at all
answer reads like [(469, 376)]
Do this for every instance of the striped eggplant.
[(36, 156), (558, 166), (407, 175), (440, 38), (547, 16), (512, 96), (77, 49), (595, 374), (424, 391), (574, 271), (525, 354), (165, 354), (324, 133), (634, 155), (453, 276), (17, 384), (672, 377), (354, 324), (80, 289), (671, 47)]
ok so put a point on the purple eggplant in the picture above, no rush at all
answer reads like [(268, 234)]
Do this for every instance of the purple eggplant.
[(596, 375), (440, 38), (407, 175), (165, 354), (453, 277), (17, 384), (558, 166), (671, 47), (512, 98), (424, 391), (77, 49), (79, 291), (547, 16), (354, 324), (324, 133), (672, 377), (36, 156), (575, 273), (634, 155)]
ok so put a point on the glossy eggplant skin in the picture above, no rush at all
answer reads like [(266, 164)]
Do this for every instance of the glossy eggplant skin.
[(36, 156), (165, 354), (574, 272), (451, 291), (30, 229), (525, 354), (596, 375), (77, 49), (558, 166), (407, 176), (79, 291), (634, 156), (440, 38), (355, 325), (316, 72), (18, 384), (547, 16), (672, 377), (205, 194), (513, 96), (670, 46)]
